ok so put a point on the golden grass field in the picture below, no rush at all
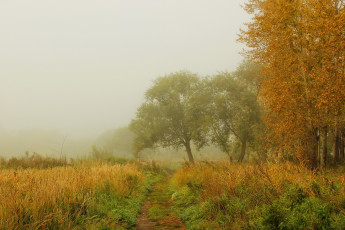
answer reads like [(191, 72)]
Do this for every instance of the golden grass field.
[(56, 197), (259, 196), (217, 178), (205, 195)]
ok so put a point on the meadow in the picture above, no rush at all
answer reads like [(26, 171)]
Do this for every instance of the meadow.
[(80, 195), (47, 193)]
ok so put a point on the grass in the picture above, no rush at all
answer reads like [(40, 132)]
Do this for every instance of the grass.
[(47, 193), (259, 196), (89, 195), (160, 212)]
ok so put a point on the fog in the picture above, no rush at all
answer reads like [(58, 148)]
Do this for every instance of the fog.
[(76, 68)]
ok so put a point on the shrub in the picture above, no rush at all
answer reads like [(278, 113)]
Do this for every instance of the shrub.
[(33, 161)]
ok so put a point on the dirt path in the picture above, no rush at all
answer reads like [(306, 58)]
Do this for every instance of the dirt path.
[(156, 213)]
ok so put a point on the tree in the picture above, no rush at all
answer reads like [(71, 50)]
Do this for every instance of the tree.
[(172, 114), (117, 141), (235, 111), (301, 45), (145, 127)]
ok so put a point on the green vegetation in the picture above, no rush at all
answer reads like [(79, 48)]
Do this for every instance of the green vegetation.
[(171, 115), (182, 110), (234, 111), (117, 142), (159, 207)]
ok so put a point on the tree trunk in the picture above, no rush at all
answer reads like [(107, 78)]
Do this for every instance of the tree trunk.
[(243, 151), (315, 149), (324, 147), (229, 156), (318, 148), (342, 145), (336, 146), (189, 152)]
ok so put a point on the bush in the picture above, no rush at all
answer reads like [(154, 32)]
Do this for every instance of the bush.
[(33, 161)]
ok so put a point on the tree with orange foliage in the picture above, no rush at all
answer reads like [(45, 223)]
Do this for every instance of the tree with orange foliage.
[(301, 45)]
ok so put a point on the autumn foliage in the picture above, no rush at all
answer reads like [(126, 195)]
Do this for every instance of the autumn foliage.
[(301, 46)]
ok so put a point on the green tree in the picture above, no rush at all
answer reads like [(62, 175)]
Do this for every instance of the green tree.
[(145, 128), (234, 110), (172, 114), (118, 141)]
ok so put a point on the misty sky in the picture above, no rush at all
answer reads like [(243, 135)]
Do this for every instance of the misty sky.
[(82, 66)]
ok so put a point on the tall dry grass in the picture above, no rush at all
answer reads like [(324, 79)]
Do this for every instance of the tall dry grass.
[(55, 198), (259, 196), (218, 178)]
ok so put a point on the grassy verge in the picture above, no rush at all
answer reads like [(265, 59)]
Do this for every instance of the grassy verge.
[(265, 196)]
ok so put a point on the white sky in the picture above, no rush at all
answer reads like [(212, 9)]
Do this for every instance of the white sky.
[(82, 66)]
